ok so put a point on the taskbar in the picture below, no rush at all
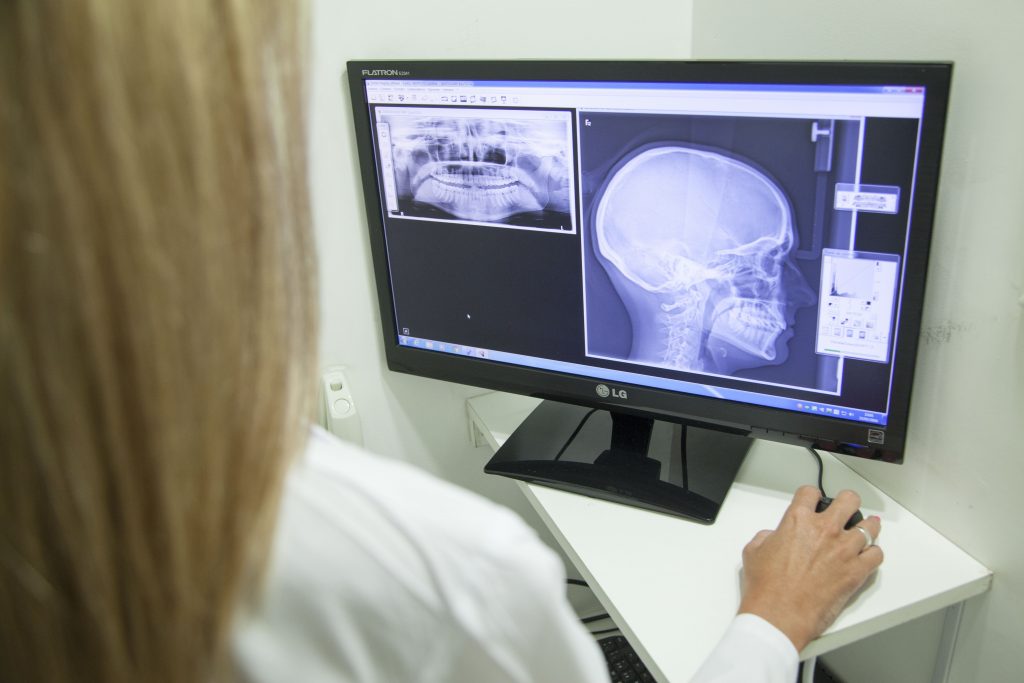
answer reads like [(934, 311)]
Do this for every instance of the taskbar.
[(607, 374)]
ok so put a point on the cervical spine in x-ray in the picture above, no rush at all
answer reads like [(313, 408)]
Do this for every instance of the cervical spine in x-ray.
[(697, 244), (482, 169)]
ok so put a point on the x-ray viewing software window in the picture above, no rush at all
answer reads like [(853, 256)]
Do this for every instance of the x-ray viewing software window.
[(739, 241), (477, 166), (710, 277)]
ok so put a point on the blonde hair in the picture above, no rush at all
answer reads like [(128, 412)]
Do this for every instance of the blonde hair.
[(156, 326)]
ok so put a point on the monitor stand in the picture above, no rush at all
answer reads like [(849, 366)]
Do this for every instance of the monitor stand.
[(680, 470)]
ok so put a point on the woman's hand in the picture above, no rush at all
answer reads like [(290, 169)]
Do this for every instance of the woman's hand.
[(800, 576)]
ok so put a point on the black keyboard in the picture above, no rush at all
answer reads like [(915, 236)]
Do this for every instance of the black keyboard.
[(624, 663)]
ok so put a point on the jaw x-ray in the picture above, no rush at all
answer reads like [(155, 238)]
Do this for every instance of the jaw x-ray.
[(494, 167), (699, 246)]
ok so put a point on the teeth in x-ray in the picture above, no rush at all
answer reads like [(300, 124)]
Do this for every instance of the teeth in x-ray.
[(476, 190), (487, 168), (752, 326), (448, 193)]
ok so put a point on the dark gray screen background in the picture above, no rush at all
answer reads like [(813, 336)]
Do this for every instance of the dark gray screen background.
[(521, 291)]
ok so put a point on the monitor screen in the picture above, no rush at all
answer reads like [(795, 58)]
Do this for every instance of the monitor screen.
[(732, 244)]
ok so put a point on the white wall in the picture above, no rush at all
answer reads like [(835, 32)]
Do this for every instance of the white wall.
[(416, 419), (964, 473)]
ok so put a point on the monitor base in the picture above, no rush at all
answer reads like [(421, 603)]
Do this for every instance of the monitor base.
[(680, 470)]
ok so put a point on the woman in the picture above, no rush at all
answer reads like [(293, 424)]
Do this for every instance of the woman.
[(157, 302)]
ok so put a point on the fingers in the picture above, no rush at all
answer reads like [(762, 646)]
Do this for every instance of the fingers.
[(805, 497), (858, 539), (870, 559), (843, 506), (872, 527)]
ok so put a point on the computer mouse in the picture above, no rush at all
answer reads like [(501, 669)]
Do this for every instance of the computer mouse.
[(856, 517)]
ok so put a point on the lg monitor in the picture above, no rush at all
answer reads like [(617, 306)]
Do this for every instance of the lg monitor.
[(677, 256)]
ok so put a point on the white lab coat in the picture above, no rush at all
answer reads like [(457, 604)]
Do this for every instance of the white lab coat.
[(382, 573)]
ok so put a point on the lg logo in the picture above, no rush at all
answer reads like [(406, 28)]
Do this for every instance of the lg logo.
[(604, 392)]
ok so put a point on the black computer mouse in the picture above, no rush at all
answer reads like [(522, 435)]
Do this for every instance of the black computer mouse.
[(855, 518)]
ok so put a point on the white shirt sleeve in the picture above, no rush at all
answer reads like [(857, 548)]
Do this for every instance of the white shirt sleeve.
[(751, 651)]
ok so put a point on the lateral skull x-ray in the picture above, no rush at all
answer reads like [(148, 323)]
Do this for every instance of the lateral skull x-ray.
[(698, 246), (484, 168)]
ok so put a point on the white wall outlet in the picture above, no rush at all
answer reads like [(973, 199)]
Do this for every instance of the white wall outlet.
[(338, 408)]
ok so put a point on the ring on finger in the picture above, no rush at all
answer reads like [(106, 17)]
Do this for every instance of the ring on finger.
[(868, 538)]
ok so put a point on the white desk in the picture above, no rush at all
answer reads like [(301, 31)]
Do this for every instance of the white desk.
[(677, 595)]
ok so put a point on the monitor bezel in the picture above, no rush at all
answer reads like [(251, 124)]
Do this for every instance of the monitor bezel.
[(827, 433)]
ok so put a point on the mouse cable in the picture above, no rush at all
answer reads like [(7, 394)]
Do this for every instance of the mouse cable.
[(577, 582), (821, 469)]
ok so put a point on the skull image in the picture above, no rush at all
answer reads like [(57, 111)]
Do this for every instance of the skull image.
[(697, 245), (483, 169)]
